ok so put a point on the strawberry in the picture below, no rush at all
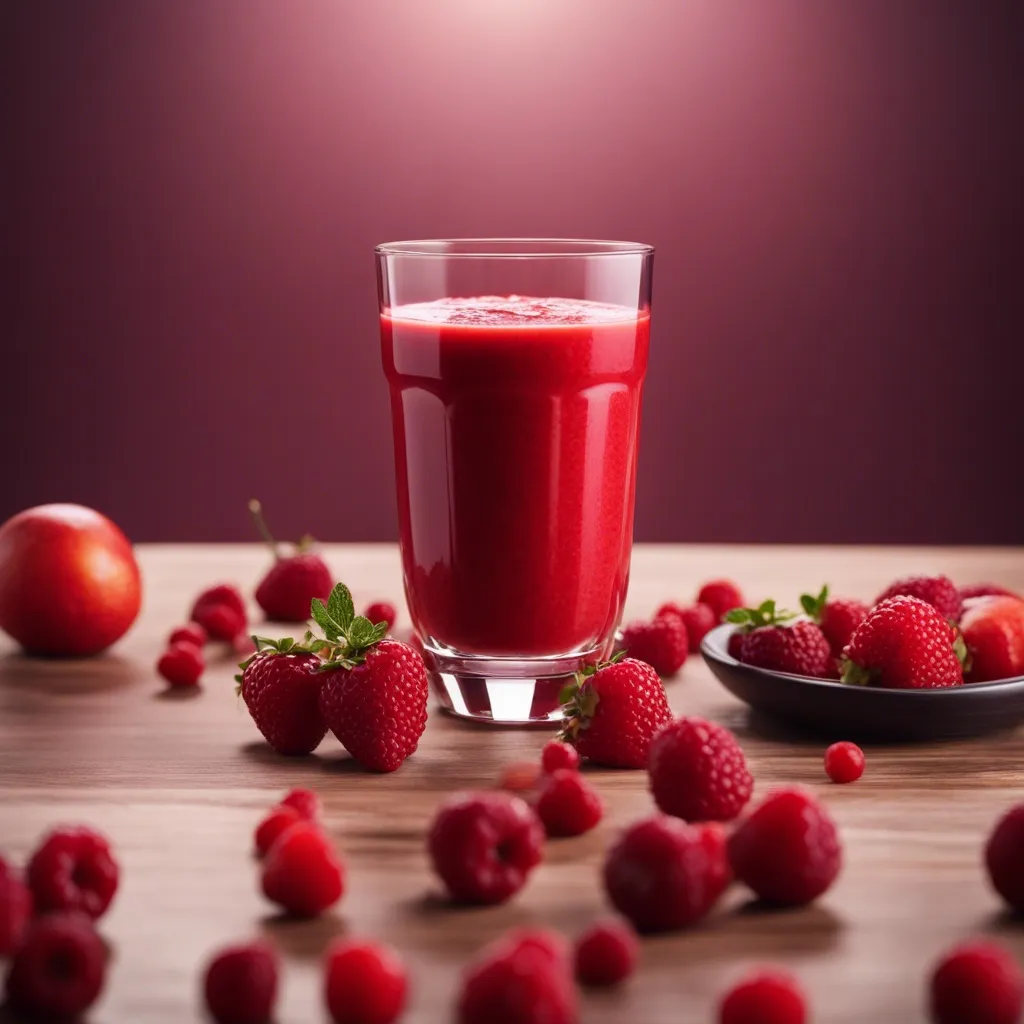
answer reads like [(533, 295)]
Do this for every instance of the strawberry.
[(938, 591), (612, 711), (987, 590), (699, 619), (993, 629), (773, 643), (721, 596), (374, 695), (663, 643), (904, 644), (291, 583), (837, 617)]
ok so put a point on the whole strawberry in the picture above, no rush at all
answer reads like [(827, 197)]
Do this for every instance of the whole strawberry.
[(773, 643), (904, 644), (993, 629), (293, 581), (721, 596), (837, 617), (938, 591), (612, 711), (374, 692), (663, 643)]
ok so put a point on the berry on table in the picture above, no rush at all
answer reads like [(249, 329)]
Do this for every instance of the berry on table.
[(612, 711), (483, 846), (305, 801), (181, 664), (274, 825), (15, 908), (73, 869), (556, 755), (59, 969), (1004, 856), (240, 984), (972, 590), (567, 804), (521, 776), (364, 983), (662, 643), (993, 629), (382, 611), (844, 762), (217, 624), (788, 849), (699, 619), (663, 873), (192, 633), (938, 591), (764, 997), (772, 642), (837, 617), (606, 954), (721, 596), (976, 983), (302, 872), (698, 772)]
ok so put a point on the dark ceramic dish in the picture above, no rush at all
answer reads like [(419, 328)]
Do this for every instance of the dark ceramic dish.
[(848, 712)]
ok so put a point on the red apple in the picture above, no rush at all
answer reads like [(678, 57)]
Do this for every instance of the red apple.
[(69, 582)]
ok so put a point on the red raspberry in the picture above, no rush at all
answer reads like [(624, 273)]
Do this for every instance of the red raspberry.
[(364, 983), (181, 664), (520, 979), (382, 611), (1004, 855), (192, 633), (15, 908), (557, 754), (766, 997), (788, 850), (520, 776), (606, 954), (305, 801), (278, 820), (663, 873), (844, 762), (720, 596), (282, 693), (220, 621), (799, 649), (699, 620), (977, 983), (993, 629), (222, 595), (973, 590), (698, 771), (662, 643), (240, 984), (568, 805), (73, 869), (483, 846), (302, 873), (938, 591), (59, 969)]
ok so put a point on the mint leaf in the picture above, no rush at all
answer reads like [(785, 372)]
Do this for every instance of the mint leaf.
[(341, 607), (380, 630), (738, 615), (809, 604), (324, 620), (361, 632)]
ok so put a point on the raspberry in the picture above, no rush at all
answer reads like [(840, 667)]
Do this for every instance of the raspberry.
[(15, 908), (844, 762), (568, 805), (181, 664), (483, 846), (788, 850), (302, 873), (663, 873), (699, 619), (938, 591), (606, 954), (73, 869), (698, 772), (557, 754), (720, 596), (977, 983), (220, 621), (278, 820), (364, 983), (60, 967), (240, 984), (765, 997), (1004, 855), (662, 643), (520, 776), (382, 611), (305, 801), (192, 633)]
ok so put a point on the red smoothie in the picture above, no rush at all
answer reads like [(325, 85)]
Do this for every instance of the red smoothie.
[(515, 427)]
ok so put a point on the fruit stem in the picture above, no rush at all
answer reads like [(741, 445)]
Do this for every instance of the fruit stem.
[(256, 510)]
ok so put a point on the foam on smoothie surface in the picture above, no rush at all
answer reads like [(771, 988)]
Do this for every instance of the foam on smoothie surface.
[(512, 311)]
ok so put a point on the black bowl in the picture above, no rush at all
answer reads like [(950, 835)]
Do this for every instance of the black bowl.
[(848, 712)]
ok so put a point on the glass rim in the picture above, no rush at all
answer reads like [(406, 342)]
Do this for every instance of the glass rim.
[(512, 248)]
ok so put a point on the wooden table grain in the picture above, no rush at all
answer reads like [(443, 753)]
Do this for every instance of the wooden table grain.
[(179, 783)]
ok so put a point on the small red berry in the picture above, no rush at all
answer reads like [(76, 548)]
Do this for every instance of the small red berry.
[(59, 969), (844, 762), (483, 846), (15, 908), (698, 771), (364, 983), (221, 621), (277, 821), (520, 776), (798, 649), (305, 801), (1004, 855), (661, 643), (606, 954), (73, 869), (938, 591), (302, 873), (181, 664), (993, 629), (557, 754), (788, 850), (973, 590), (721, 596), (663, 873), (977, 983), (765, 997), (382, 611), (282, 693), (699, 620), (192, 633), (568, 804), (240, 984)]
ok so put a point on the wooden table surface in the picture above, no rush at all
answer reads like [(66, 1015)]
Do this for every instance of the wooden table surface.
[(178, 784)]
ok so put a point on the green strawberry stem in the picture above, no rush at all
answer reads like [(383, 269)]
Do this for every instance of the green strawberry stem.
[(256, 511), (765, 614), (814, 605), (579, 702)]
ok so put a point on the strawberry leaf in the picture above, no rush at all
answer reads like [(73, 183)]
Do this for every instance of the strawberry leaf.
[(360, 632), (324, 620), (814, 606), (341, 607)]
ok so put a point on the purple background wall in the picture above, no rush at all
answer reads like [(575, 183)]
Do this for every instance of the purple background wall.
[(835, 190)]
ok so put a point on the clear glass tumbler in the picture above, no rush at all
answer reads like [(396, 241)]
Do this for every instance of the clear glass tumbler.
[(515, 368)]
